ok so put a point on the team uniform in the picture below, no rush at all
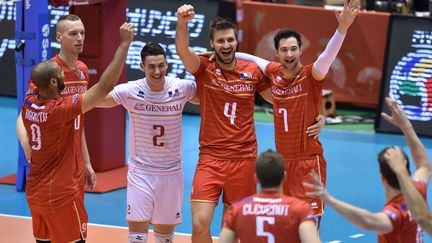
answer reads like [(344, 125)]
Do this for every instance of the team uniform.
[(228, 146), (155, 178), (296, 105), (405, 229), (268, 217), (52, 189), (76, 82)]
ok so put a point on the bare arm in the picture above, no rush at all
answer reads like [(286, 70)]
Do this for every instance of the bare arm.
[(364, 219), (190, 59), (345, 18), (107, 102), (22, 136), (308, 232), (227, 236), (89, 174), (418, 151), (112, 73)]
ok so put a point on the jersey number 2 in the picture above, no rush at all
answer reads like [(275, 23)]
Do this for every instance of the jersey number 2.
[(260, 228), (160, 130)]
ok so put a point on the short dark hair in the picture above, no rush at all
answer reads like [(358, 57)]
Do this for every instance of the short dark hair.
[(220, 23), (43, 72), (270, 169), (152, 49), (70, 17), (285, 34), (387, 172)]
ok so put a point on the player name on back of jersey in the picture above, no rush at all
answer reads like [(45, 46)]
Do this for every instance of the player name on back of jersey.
[(288, 91), (73, 89), (265, 209), (36, 116), (234, 88)]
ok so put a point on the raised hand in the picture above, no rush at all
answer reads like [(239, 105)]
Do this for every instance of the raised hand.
[(185, 13), (318, 188), (398, 117), (126, 33), (396, 159), (346, 17)]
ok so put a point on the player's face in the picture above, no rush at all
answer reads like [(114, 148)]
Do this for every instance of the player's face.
[(289, 53), (224, 43), (71, 35), (155, 68)]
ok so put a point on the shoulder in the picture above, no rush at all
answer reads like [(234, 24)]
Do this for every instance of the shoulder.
[(81, 64)]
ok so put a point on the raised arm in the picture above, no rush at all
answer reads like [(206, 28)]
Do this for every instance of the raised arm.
[(190, 59), (418, 151), (364, 219), (345, 18), (110, 76), (415, 202), (107, 102)]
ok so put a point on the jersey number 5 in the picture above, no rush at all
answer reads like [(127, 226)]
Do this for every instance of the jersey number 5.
[(36, 137), (160, 131), (260, 228)]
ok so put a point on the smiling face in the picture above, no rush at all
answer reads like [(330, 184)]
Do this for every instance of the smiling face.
[(71, 34), (155, 68), (289, 53), (224, 43)]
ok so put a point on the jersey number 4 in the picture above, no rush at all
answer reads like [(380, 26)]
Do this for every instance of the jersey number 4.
[(260, 228), (231, 115)]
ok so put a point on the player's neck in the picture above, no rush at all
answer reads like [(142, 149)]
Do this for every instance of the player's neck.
[(390, 192), (226, 66), (292, 73), (156, 86), (272, 189), (69, 59), (45, 95)]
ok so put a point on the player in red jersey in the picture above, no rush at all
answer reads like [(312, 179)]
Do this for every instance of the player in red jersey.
[(394, 223), (70, 33), (269, 216), (228, 148), (296, 91), (52, 189)]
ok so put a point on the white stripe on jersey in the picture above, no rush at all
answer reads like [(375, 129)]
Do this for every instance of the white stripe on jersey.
[(155, 132)]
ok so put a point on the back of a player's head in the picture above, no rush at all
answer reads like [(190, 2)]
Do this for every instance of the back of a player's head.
[(69, 17), (43, 72), (269, 168), (220, 23), (285, 34), (152, 49), (387, 172)]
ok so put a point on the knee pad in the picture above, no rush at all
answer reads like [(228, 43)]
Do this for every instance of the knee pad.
[(137, 237), (161, 238)]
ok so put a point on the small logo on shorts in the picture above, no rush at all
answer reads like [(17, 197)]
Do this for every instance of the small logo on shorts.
[(84, 227), (314, 205), (177, 215)]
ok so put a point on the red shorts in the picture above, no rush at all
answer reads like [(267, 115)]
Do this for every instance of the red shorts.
[(234, 177), (66, 224), (297, 172)]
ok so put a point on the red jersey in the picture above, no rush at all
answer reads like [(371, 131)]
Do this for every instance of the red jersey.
[(227, 100), (405, 229), (76, 82), (268, 217), (296, 104), (51, 182)]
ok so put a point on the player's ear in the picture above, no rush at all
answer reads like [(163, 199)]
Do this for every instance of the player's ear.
[(142, 66)]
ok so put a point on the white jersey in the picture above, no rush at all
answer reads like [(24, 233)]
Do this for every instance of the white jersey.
[(155, 123)]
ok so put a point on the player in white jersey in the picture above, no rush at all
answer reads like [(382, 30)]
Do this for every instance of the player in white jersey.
[(155, 178)]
